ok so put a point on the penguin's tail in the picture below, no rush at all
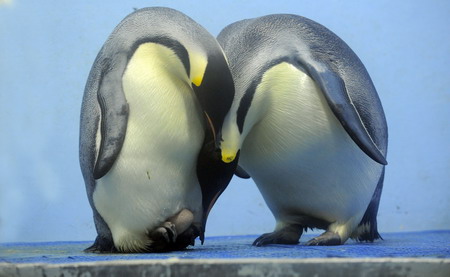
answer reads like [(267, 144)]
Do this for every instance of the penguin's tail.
[(367, 229)]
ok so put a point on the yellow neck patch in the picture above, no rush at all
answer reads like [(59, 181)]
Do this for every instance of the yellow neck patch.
[(198, 64)]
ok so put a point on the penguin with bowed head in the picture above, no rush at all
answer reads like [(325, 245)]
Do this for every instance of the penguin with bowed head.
[(155, 98), (309, 127)]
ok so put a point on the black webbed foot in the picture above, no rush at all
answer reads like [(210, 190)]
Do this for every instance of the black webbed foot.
[(327, 238), (186, 238), (287, 235), (163, 237)]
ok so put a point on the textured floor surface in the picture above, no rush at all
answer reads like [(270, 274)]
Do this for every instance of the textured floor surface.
[(431, 244)]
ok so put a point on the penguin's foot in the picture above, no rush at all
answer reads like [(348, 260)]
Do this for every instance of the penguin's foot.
[(187, 237), (163, 236), (327, 238), (287, 235), (102, 245)]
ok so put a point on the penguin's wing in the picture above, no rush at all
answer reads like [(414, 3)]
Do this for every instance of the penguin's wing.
[(338, 98), (94, 109), (114, 114), (343, 79)]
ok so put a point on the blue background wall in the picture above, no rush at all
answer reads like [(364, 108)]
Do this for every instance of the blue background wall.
[(47, 49)]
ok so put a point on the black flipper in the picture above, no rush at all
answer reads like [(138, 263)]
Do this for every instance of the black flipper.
[(114, 117), (343, 108), (213, 175)]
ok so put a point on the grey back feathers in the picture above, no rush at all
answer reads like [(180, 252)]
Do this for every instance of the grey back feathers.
[(313, 48)]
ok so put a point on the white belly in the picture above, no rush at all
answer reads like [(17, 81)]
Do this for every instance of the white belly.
[(301, 158), (154, 176)]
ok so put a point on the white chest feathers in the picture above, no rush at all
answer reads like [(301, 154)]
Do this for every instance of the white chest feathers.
[(154, 176), (299, 155)]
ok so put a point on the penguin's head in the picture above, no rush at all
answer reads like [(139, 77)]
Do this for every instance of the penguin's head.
[(214, 88), (202, 63), (239, 121), (230, 140), (249, 105)]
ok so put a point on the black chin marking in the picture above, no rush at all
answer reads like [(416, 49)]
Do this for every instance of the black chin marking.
[(245, 103)]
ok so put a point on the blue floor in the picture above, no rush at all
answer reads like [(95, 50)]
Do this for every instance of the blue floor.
[(430, 244)]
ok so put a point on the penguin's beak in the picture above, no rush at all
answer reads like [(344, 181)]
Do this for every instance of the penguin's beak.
[(230, 140), (228, 156), (228, 150)]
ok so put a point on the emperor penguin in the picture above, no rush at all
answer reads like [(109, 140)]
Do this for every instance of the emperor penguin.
[(154, 101), (309, 127)]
